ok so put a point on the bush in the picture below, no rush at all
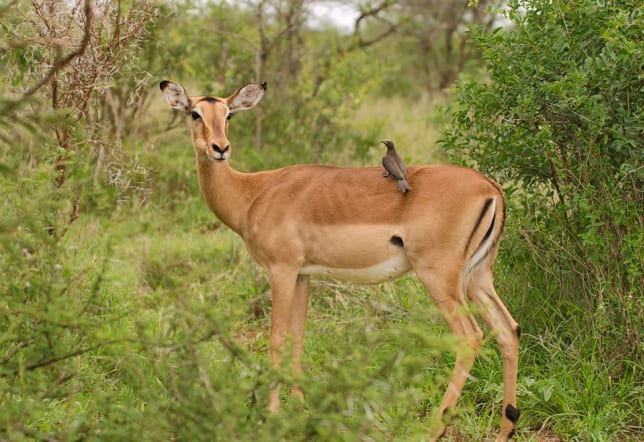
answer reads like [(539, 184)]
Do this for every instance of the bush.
[(561, 123)]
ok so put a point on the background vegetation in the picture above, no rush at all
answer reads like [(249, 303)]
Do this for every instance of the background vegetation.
[(127, 312)]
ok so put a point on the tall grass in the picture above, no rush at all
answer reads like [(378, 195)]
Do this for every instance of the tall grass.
[(411, 124)]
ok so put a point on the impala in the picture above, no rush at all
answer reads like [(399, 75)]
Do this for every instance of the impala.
[(353, 224)]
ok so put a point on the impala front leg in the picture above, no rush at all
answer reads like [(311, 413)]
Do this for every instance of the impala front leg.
[(284, 287), (297, 327)]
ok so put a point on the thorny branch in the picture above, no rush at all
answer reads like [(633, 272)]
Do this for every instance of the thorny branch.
[(60, 64)]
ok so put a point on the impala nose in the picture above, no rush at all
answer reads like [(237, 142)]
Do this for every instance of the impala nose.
[(219, 150)]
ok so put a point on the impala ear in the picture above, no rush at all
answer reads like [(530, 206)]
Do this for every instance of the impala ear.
[(175, 95), (247, 96)]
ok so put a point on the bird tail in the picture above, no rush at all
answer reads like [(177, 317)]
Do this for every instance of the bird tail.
[(403, 186)]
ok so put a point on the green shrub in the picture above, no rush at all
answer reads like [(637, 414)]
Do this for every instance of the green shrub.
[(561, 123), (561, 119)]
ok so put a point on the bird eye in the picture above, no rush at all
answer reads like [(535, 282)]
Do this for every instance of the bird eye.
[(195, 116), (229, 116)]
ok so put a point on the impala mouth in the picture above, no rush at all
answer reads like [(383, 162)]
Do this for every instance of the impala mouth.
[(218, 155)]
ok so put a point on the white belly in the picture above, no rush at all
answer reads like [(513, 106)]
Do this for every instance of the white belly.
[(387, 270)]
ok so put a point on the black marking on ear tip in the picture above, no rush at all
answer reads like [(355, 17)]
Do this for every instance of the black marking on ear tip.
[(163, 84), (512, 413), (397, 241), (264, 85), (518, 330)]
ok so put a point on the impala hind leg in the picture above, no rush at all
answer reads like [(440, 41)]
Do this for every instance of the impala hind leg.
[(446, 292), (480, 290), (289, 300)]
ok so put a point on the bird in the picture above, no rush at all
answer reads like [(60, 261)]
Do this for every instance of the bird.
[(395, 167)]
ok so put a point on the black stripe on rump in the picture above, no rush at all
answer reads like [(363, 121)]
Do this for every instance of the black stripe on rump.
[(488, 203)]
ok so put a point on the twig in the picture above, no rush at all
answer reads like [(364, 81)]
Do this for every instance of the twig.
[(65, 61), (53, 360)]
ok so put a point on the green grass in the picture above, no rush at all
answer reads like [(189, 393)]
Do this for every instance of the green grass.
[(411, 125)]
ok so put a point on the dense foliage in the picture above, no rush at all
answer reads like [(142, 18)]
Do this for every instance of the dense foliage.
[(127, 312), (562, 118), (561, 122)]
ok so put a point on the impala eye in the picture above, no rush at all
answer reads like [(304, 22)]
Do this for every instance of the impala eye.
[(229, 116), (195, 116)]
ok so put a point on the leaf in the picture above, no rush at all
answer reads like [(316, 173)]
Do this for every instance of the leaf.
[(547, 392)]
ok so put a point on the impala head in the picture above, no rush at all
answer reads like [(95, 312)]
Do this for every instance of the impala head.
[(210, 115)]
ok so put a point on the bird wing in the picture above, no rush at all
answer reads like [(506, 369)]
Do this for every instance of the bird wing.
[(403, 169), (393, 167)]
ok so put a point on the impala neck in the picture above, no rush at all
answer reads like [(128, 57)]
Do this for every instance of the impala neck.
[(225, 190)]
